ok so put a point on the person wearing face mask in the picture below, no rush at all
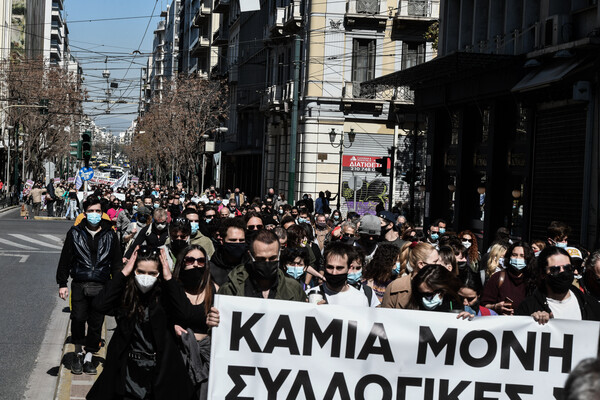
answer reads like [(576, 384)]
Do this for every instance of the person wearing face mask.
[(355, 278), (336, 289), (196, 236), (413, 257), (558, 234), (90, 255), (304, 217), (336, 218), (179, 238), (441, 224), (555, 296), (190, 292), (506, 289), (232, 253), (142, 360), (322, 230), (294, 262), (369, 231), (469, 293), (537, 246), (383, 268), (261, 276), (389, 234), (433, 235), (140, 219), (155, 234), (123, 218), (469, 241), (254, 224), (435, 288)]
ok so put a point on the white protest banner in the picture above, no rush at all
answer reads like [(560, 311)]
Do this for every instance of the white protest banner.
[(272, 349)]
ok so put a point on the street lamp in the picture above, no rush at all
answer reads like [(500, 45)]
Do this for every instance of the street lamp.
[(341, 145)]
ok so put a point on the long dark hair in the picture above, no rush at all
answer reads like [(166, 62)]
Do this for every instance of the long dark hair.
[(440, 280), (530, 272), (206, 285), (542, 262), (134, 302), (383, 262)]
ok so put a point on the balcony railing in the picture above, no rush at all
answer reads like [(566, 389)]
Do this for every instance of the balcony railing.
[(221, 6), (276, 19), (367, 13), (418, 8), (400, 94)]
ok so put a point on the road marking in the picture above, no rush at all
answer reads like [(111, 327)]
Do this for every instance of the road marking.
[(24, 257), (52, 237), (17, 245), (32, 240)]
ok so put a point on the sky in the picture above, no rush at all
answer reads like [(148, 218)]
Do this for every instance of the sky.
[(115, 40)]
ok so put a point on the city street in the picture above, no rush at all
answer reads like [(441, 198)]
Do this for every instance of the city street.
[(33, 321)]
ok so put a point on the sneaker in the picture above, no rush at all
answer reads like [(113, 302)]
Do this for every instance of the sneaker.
[(76, 364), (89, 368)]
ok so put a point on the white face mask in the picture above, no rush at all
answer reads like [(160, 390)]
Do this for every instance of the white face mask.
[(466, 244), (145, 282)]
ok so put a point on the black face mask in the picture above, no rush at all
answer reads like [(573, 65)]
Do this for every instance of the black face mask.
[(250, 235), (177, 245), (560, 283), (462, 264), (265, 269), (115, 206), (366, 244), (384, 231), (336, 281), (191, 278), (142, 218), (234, 251)]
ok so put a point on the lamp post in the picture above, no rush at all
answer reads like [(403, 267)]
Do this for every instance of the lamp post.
[(341, 146)]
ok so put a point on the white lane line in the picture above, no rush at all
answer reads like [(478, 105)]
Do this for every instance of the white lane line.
[(32, 240), (52, 237), (17, 245), (23, 257)]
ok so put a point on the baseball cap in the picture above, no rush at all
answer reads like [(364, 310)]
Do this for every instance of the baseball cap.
[(369, 225), (388, 216)]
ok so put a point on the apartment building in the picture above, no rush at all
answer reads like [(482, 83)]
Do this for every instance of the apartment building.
[(512, 110)]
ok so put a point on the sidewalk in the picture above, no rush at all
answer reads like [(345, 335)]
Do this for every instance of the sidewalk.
[(76, 387)]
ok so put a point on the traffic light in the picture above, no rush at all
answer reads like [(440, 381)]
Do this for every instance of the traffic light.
[(410, 176), (44, 103), (383, 167), (86, 146), (77, 152)]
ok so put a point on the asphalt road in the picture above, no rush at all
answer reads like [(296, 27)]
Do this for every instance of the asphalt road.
[(29, 253)]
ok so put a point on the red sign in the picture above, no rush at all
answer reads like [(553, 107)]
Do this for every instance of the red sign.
[(361, 163)]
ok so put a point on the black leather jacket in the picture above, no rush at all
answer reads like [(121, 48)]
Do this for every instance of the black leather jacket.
[(88, 259)]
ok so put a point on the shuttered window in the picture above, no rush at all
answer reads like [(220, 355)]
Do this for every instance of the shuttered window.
[(557, 184)]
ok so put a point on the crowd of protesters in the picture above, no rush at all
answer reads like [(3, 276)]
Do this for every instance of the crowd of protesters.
[(169, 251)]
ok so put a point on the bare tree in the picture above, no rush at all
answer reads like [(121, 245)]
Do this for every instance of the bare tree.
[(176, 128), (44, 104)]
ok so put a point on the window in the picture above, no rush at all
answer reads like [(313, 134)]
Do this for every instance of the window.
[(412, 54), (367, 6), (363, 63), (418, 8)]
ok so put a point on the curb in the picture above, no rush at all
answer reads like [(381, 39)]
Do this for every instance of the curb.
[(6, 209), (69, 386), (39, 218)]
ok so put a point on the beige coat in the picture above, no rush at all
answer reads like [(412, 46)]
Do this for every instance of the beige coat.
[(397, 294), (36, 195)]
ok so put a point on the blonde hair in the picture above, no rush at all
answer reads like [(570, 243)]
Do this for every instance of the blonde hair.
[(495, 252), (413, 253)]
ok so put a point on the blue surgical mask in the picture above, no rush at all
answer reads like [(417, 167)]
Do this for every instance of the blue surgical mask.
[(442, 231), (536, 253), (354, 277), (336, 217), (295, 272), (562, 245), (208, 220), (501, 261), (433, 303), (156, 205), (435, 236), (302, 220), (93, 218), (518, 263), (135, 208), (396, 270), (194, 227)]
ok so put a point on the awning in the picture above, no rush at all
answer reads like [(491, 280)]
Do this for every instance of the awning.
[(546, 75)]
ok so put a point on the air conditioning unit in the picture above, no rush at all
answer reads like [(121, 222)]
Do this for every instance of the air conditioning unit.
[(557, 30)]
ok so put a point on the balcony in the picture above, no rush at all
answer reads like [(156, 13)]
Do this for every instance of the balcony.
[(292, 20), (200, 45), (414, 17), (276, 19), (57, 16), (220, 37), (271, 100), (221, 6), (369, 14), (56, 34), (364, 98), (201, 14)]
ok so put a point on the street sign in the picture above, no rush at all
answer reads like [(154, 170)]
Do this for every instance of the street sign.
[(355, 183), (86, 173)]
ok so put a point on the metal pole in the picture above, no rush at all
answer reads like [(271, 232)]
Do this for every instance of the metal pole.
[(17, 157), (393, 168), (294, 127), (23, 145), (202, 182), (338, 202), (414, 163)]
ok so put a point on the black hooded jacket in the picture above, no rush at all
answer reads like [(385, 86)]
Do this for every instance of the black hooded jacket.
[(590, 308)]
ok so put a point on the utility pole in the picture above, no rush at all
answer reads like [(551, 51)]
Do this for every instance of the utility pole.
[(294, 127)]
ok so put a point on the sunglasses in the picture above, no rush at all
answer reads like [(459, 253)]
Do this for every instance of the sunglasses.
[(555, 270), (467, 240), (254, 227), (191, 260)]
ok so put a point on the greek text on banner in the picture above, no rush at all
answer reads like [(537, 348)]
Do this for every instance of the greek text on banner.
[(272, 349)]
